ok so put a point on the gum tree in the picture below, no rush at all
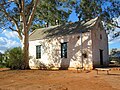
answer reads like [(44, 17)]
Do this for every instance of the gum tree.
[(20, 16), (107, 10)]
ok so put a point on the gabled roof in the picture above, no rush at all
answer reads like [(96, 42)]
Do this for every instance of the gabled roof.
[(62, 30)]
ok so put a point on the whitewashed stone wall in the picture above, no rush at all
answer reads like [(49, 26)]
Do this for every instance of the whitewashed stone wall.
[(51, 52), (98, 44)]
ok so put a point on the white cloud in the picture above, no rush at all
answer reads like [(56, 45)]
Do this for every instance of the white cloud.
[(2, 41), (8, 39), (117, 39), (11, 44), (7, 44), (10, 34)]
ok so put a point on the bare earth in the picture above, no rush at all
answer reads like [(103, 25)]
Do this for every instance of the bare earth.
[(59, 80)]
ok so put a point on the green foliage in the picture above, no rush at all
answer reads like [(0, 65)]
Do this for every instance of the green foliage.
[(115, 55), (88, 9), (0, 58), (23, 15), (113, 51), (14, 58), (107, 10), (2, 65), (48, 11)]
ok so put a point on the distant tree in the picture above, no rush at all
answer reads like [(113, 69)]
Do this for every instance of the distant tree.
[(14, 58), (1, 59), (114, 51), (115, 56)]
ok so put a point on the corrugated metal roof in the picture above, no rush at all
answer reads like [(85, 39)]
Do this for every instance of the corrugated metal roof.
[(62, 30)]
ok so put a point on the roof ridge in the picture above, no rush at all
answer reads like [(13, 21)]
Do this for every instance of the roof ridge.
[(63, 29)]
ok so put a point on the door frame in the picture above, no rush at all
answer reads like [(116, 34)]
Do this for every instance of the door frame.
[(101, 56)]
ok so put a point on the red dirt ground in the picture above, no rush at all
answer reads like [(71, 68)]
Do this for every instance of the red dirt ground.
[(58, 80)]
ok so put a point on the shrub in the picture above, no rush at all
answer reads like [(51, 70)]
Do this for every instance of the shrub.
[(14, 58)]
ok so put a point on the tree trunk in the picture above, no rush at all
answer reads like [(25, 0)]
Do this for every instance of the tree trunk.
[(25, 48), (26, 26), (26, 51), (25, 44)]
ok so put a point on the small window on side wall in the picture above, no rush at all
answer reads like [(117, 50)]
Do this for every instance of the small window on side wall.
[(84, 55), (38, 51), (64, 50), (101, 36)]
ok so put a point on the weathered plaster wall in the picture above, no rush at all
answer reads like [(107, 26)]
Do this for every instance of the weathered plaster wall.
[(51, 51), (98, 44)]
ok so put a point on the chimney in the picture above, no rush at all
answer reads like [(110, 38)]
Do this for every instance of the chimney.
[(78, 17), (47, 24), (56, 22)]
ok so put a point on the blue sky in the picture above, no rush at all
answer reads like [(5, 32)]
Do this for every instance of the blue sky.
[(9, 39), (115, 43)]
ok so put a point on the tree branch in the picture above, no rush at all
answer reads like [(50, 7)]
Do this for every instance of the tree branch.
[(13, 29), (29, 8), (2, 29), (11, 19), (32, 14), (22, 15), (115, 25), (19, 34)]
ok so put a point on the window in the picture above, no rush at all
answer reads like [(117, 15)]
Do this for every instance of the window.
[(84, 55), (64, 50), (38, 51), (101, 36)]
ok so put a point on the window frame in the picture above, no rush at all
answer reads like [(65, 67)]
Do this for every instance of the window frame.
[(38, 51), (64, 50), (100, 36)]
